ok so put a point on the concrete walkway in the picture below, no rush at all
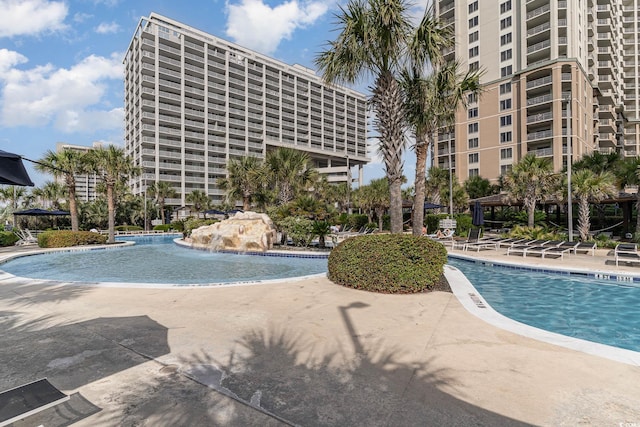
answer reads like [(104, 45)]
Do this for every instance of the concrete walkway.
[(302, 352)]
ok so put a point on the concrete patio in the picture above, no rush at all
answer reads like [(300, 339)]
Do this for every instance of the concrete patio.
[(301, 352)]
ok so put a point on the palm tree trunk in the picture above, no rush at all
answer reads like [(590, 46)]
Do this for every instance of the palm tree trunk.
[(584, 224), (418, 199), (161, 205), (112, 213), (638, 213), (73, 208), (388, 105)]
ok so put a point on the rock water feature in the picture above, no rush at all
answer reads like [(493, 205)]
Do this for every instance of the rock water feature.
[(243, 232)]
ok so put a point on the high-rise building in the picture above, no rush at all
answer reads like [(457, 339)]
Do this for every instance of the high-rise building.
[(543, 60), (85, 183), (194, 101)]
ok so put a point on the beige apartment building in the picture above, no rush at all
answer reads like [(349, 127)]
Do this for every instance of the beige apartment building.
[(193, 102), (85, 183), (543, 59)]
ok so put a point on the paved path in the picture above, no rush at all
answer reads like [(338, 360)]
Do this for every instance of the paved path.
[(296, 353)]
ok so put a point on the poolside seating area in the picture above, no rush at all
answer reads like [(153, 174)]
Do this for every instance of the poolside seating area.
[(626, 253)]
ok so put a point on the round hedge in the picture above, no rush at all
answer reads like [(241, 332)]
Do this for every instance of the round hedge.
[(388, 263)]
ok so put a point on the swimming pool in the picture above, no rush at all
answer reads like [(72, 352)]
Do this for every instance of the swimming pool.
[(158, 260), (602, 311)]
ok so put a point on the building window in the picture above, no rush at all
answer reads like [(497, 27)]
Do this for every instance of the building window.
[(505, 7), (505, 137), (505, 39), (473, 127), (474, 66), (472, 98), (473, 112), (473, 143), (505, 169), (474, 172), (473, 51), (473, 37), (506, 153), (474, 157), (505, 55), (506, 71), (505, 88), (473, 22), (473, 6), (505, 23), (505, 120)]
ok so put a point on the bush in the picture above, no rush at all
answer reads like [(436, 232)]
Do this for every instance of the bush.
[(193, 223), (8, 238), (299, 229), (388, 263), (162, 227), (64, 239), (128, 228)]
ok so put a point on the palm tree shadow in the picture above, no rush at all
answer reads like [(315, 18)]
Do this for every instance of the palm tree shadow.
[(288, 376)]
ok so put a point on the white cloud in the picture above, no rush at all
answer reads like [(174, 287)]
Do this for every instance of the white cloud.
[(107, 28), (81, 17), (258, 26), (70, 98), (31, 17)]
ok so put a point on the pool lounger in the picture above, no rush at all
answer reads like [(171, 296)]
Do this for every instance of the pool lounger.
[(586, 247), (627, 252)]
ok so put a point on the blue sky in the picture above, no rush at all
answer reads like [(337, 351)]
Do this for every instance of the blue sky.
[(61, 74)]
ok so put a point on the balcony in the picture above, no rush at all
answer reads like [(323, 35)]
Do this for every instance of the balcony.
[(541, 117)]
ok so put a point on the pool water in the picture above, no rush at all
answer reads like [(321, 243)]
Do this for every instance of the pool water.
[(602, 311), (159, 260)]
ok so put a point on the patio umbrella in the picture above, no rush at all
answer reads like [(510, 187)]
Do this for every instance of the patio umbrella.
[(41, 212), (478, 214), (214, 212), (12, 171), (234, 211)]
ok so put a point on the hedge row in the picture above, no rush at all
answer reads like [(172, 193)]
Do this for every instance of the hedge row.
[(8, 238), (388, 263), (64, 239)]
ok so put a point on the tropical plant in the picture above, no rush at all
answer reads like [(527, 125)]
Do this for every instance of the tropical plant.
[(529, 182), (321, 229), (244, 179), (598, 162), (199, 201), (12, 194), (431, 103), (288, 172), (628, 173), (374, 197), (588, 186), (51, 193), (477, 186), (437, 184), (161, 191), (340, 194), (376, 38), (113, 167), (66, 163)]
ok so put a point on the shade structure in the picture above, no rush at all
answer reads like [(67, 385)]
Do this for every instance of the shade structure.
[(477, 217), (41, 212), (429, 205), (234, 211), (12, 171), (214, 212)]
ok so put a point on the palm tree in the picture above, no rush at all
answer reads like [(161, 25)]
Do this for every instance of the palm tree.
[(113, 167), (67, 164), (160, 191), (430, 105), (628, 173), (288, 171), (376, 38), (477, 186), (586, 186), (52, 192), (530, 181), (374, 197), (12, 194), (199, 201), (597, 162), (437, 185), (340, 194), (244, 179)]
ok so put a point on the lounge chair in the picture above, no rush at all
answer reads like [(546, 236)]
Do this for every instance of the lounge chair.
[(626, 252), (509, 242), (445, 237), (26, 238), (548, 250), (586, 247), (474, 241)]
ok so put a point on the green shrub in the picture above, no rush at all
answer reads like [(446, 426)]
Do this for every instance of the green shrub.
[(8, 238), (193, 223), (388, 263), (299, 229), (128, 228), (65, 238), (162, 227)]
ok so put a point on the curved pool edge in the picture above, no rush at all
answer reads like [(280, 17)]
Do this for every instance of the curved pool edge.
[(475, 304), (10, 256)]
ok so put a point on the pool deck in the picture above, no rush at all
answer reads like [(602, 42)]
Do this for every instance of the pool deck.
[(301, 352)]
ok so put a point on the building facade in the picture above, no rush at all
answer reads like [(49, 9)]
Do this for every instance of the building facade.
[(560, 76), (85, 183), (193, 102)]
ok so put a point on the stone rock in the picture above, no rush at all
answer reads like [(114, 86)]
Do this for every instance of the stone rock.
[(243, 232)]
